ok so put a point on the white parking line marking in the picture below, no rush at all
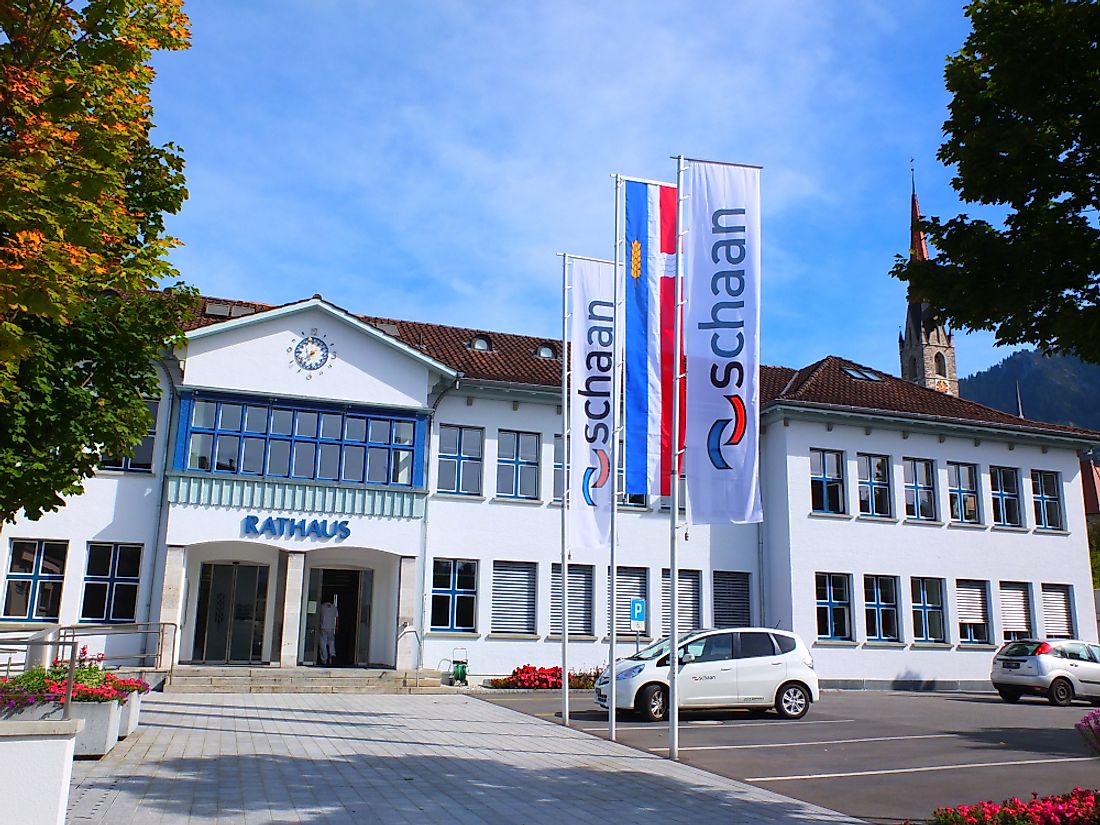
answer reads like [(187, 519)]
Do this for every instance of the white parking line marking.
[(919, 770), (662, 727), (805, 744)]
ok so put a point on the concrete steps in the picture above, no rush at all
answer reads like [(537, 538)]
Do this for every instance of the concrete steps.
[(203, 679)]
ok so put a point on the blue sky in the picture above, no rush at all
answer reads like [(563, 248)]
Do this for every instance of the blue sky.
[(427, 160)]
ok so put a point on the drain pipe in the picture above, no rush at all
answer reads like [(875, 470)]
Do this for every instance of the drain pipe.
[(760, 592), (160, 531), (422, 560)]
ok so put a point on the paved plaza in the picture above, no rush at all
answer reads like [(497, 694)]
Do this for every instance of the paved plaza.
[(406, 760)]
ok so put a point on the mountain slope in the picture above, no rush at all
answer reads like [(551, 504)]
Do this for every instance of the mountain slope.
[(1058, 389)]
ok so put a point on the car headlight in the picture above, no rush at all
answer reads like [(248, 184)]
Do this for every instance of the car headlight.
[(629, 673)]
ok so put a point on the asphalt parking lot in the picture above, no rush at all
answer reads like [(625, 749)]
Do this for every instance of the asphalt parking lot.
[(882, 757)]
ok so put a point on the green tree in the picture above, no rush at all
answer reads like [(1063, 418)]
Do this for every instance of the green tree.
[(83, 194), (1024, 137)]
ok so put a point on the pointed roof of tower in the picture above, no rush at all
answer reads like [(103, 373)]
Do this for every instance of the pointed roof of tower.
[(918, 244)]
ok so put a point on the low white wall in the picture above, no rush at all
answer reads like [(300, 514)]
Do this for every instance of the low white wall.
[(36, 766)]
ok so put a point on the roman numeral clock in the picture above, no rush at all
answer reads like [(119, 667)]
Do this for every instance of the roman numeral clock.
[(311, 352)]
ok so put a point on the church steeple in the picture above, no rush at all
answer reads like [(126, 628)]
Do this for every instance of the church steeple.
[(927, 350)]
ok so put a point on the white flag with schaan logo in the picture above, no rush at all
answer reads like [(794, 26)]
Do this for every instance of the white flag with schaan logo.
[(593, 359), (722, 342)]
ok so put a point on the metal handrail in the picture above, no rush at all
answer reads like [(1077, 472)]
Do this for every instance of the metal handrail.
[(28, 643), (158, 629), (408, 628)]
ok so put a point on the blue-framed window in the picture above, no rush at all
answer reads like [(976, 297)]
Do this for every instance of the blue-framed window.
[(454, 595), (1046, 493), (460, 452), (559, 467), (517, 464), (972, 607), (142, 459), (111, 582), (920, 489), (834, 606), (36, 573), (827, 481), (874, 485), (880, 601), (928, 624), (962, 488), (1004, 490), (256, 437)]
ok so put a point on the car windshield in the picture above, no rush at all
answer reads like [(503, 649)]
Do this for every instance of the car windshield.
[(658, 649), (1021, 649)]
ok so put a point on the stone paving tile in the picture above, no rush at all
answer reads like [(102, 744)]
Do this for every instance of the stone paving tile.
[(323, 759)]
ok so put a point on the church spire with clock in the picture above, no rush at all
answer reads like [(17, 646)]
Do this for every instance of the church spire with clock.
[(927, 349)]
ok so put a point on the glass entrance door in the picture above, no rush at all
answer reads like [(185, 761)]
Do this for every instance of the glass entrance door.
[(350, 591), (231, 612)]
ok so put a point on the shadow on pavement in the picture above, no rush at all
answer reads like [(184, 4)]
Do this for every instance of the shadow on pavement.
[(421, 788)]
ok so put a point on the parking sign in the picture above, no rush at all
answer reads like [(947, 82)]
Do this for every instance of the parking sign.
[(637, 615)]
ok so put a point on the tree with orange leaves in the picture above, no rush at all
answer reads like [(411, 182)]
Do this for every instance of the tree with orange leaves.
[(85, 309)]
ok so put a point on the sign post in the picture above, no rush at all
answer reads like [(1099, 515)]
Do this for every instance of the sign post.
[(637, 621)]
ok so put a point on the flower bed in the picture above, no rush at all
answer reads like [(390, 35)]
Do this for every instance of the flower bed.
[(108, 704), (545, 678), (48, 685), (1078, 807)]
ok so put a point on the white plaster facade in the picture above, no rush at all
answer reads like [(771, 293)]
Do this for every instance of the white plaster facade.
[(193, 523)]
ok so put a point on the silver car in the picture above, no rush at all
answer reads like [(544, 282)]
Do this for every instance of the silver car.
[(1060, 669)]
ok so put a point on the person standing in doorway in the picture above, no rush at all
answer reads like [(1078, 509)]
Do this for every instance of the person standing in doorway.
[(328, 618)]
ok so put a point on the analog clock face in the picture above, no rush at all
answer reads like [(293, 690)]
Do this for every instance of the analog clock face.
[(311, 352)]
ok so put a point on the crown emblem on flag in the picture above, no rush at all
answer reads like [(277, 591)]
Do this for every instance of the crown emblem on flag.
[(636, 260)]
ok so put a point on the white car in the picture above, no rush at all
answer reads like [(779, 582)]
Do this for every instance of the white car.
[(743, 667), (1060, 669)]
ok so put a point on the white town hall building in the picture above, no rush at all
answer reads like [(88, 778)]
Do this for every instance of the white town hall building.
[(411, 472)]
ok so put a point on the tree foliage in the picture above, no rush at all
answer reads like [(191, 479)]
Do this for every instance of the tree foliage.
[(1023, 133), (83, 195)]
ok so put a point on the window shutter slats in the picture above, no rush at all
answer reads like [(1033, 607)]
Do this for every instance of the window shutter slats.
[(971, 601), (732, 607), (581, 601), (1057, 615), (514, 585), (1015, 607), (690, 604)]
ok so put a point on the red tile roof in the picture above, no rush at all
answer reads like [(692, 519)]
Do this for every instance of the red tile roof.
[(824, 384)]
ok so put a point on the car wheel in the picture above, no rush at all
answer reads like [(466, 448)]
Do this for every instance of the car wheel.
[(653, 703), (1060, 692), (1010, 695), (792, 701)]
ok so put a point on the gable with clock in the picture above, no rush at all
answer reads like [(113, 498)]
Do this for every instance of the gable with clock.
[(310, 349), (311, 352)]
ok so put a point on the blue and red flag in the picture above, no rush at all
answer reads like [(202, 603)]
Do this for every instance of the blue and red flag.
[(649, 301)]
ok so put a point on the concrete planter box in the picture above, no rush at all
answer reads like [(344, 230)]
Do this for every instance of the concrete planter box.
[(101, 723), (36, 766), (128, 720)]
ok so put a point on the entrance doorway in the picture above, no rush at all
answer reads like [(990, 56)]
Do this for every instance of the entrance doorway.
[(229, 626), (350, 591)]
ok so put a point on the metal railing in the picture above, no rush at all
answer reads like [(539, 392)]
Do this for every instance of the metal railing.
[(165, 634), (26, 647), (405, 630)]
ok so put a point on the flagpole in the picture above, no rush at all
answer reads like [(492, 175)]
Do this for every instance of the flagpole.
[(565, 433), (612, 692), (674, 482)]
